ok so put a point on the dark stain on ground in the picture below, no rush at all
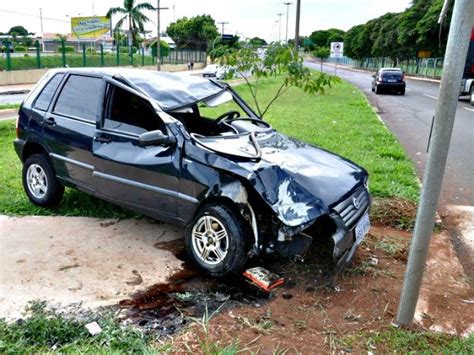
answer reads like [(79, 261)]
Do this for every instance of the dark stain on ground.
[(167, 307)]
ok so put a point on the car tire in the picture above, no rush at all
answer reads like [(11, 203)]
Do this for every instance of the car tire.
[(377, 90), (471, 99), (373, 89), (216, 241), (402, 92), (40, 183)]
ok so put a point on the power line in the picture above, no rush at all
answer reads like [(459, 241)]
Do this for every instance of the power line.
[(35, 16)]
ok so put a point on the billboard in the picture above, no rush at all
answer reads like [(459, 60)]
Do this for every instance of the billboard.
[(90, 27)]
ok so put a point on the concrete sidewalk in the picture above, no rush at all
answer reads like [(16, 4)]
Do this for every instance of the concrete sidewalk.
[(77, 259)]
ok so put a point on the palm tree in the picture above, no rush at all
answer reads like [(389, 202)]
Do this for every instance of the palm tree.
[(133, 14)]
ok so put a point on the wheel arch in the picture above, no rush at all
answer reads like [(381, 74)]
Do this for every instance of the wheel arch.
[(235, 195), (32, 147)]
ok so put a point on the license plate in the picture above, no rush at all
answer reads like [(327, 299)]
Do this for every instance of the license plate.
[(362, 228), (391, 80)]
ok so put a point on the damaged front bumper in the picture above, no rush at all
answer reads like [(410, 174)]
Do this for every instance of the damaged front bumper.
[(344, 229)]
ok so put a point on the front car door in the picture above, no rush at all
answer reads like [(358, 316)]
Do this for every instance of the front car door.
[(145, 179)]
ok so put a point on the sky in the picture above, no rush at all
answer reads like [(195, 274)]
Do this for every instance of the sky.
[(246, 18)]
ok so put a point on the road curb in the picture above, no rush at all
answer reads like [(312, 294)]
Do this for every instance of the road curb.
[(14, 92)]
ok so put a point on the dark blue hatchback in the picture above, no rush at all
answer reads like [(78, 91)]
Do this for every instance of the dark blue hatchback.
[(189, 151)]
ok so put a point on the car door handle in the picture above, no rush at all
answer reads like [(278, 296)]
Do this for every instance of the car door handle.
[(102, 139), (50, 121)]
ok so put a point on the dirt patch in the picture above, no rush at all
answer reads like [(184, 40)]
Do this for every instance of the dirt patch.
[(366, 299)]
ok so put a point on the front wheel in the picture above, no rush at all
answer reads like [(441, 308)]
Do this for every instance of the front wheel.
[(216, 241), (377, 90), (471, 100), (40, 183), (402, 92)]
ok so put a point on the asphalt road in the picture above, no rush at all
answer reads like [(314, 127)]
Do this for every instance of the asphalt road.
[(12, 99), (409, 117)]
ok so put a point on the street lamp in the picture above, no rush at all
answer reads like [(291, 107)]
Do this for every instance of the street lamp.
[(287, 12), (158, 39), (223, 24), (279, 26)]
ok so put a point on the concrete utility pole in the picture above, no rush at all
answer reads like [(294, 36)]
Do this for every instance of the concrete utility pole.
[(297, 27), (279, 26), (287, 12), (42, 31), (158, 35), (222, 23), (456, 51)]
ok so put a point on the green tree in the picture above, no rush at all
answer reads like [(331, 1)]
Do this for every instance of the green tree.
[(133, 15), (18, 31), (257, 41), (353, 45), (430, 35), (321, 53), (323, 38), (279, 62), (195, 32)]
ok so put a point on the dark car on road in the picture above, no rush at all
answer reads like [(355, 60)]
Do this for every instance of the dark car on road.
[(389, 80), (189, 151)]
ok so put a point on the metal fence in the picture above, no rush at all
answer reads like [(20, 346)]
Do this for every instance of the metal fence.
[(68, 56), (425, 67)]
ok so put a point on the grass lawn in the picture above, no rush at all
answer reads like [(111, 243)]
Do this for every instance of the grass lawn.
[(340, 121), (8, 106), (48, 332)]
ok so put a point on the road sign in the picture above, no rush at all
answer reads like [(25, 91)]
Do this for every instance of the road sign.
[(337, 49)]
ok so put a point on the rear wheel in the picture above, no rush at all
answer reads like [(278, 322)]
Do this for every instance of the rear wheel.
[(216, 241), (40, 183), (402, 91)]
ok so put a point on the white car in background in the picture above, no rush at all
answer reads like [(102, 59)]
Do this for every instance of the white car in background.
[(211, 70)]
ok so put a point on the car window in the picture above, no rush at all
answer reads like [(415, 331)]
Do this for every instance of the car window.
[(79, 97), (130, 113), (43, 100)]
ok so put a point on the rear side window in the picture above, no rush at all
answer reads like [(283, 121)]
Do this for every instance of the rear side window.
[(43, 100), (79, 97)]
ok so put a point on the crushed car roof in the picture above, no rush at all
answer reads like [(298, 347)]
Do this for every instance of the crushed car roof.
[(170, 90)]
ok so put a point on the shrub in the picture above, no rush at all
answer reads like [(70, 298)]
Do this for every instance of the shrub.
[(164, 49), (124, 49), (67, 49), (91, 50), (20, 49)]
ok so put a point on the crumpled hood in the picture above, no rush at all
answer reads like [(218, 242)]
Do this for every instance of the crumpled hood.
[(297, 180), (321, 173)]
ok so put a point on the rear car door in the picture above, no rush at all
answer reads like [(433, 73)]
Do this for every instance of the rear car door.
[(143, 178), (69, 127)]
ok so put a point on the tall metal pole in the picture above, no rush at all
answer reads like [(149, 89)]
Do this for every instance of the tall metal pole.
[(456, 51), (279, 26), (287, 12), (42, 31), (158, 39), (297, 27)]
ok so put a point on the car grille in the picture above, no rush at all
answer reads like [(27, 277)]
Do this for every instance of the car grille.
[(347, 209)]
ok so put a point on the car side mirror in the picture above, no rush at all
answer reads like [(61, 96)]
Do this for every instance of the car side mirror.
[(373, 76), (156, 138)]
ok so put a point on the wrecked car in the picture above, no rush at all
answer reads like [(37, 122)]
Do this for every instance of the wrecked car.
[(191, 152)]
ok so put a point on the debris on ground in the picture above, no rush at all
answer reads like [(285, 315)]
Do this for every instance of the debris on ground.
[(263, 278), (93, 328)]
